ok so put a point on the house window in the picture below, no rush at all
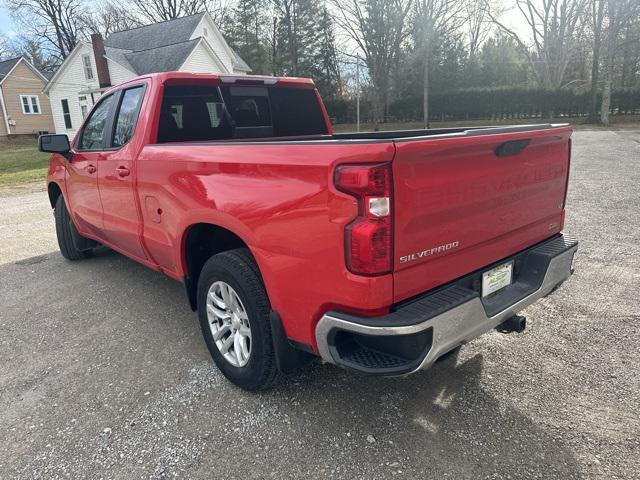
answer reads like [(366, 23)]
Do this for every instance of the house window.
[(30, 104), (66, 113), (84, 109), (88, 69), (205, 32)]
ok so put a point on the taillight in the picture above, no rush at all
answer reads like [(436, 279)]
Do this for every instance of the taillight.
[(368, 239)]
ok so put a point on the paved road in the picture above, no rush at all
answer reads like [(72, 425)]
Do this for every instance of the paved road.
[(103, 373)]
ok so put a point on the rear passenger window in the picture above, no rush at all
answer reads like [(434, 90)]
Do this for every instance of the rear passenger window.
[(127, 116)]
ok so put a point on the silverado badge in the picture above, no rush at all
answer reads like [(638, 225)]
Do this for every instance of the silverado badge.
[(429, 252)]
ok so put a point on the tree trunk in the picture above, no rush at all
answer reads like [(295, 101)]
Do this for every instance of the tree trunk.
[(606, 103), (425, 84), (425, 91), (627, 67), (379, 97), (274, 52), (606, 92), (595, 66)]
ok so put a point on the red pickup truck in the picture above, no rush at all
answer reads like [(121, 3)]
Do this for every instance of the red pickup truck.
[(378, 252)]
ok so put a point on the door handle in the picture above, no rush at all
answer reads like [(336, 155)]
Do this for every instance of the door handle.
[(91, 168), (123, 171)]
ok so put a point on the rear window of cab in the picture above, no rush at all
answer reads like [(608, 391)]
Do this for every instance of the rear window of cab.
[(198, 112)]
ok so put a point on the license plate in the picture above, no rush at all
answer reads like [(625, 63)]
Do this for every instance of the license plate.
[(497, 278)]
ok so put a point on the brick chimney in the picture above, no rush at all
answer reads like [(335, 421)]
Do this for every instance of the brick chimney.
[(101, 63)]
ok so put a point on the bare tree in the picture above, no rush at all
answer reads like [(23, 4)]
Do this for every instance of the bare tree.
[(434, 18), (288, 14), (4, 47), (162, 10), (631, 55), (32, 50), (478, 23), (220, 11), (378, 28), (57, 24), (553, 26), (107, 18), (619, 14), (597, 12)]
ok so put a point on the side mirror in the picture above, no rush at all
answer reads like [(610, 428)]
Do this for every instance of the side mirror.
[(55, 144)]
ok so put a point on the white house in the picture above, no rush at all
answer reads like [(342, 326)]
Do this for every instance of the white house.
[(192, 44)]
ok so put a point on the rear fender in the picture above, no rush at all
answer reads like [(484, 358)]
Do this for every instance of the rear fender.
[(215, 218)]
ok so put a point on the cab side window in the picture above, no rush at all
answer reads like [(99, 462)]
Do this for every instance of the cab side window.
[(94, 129), (127, 116)]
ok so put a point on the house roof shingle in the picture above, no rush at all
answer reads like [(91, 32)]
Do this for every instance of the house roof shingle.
[(118, 56), (162, 59), (155, 35), (7, 65)]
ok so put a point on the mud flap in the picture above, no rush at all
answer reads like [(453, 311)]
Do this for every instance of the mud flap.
[(81, 243), (288, 358)]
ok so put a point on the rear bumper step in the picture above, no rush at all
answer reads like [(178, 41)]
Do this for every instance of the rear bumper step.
[(417, 332)]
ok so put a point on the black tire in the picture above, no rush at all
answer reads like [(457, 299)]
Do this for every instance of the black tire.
[(238, 269), (65, 231)]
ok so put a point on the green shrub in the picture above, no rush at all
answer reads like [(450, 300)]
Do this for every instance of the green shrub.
[(496, 103)]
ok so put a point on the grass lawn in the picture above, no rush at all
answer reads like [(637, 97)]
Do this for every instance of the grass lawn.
[(20, 161)]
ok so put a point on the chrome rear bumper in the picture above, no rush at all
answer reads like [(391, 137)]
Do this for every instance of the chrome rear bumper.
[(438, 322)]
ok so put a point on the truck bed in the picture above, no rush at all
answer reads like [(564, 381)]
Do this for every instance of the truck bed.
[(395, 135), (441, 132)]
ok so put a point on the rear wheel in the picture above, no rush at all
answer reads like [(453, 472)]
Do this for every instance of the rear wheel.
[(233, 309), (65, 231)]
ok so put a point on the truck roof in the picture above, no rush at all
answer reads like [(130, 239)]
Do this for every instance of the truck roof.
[(228, 79)]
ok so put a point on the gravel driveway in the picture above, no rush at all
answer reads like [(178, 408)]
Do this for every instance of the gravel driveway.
[(103, 373)]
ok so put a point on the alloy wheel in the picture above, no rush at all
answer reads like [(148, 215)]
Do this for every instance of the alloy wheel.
[(229, 323)]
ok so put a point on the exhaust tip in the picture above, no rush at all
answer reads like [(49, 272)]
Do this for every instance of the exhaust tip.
[(517, 324)]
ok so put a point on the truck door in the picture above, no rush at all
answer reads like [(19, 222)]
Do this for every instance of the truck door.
[(116, 176), (82, 170)]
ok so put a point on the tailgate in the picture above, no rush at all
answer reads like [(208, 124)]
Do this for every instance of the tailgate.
[(459, 206)]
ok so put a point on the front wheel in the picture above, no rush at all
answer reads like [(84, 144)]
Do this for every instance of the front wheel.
[(233, 309), (65, 231)]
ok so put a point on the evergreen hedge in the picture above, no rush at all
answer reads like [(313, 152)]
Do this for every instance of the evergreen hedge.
[(490, 103)]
